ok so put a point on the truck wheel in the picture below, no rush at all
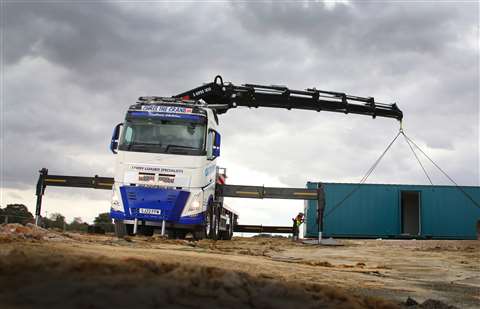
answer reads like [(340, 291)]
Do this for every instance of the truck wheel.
[(199, 234), (210, 221), (229, 231), (145, 230), (171, 234), (176, 234), (129, 228), (120, 228), (180, 234), (206, 230), (216, 234)]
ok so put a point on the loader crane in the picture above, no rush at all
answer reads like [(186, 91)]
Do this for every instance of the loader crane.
[(222, 97)]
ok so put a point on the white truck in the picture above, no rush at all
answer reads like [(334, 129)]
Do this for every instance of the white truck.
[(166, 171)]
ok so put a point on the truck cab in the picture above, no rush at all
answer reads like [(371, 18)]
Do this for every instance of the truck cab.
[(166, 171)]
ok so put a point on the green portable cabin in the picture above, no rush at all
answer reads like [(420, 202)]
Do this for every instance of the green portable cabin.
[(395, 211)]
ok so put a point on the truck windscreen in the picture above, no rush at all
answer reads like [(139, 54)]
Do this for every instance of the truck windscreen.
[(151, 134)]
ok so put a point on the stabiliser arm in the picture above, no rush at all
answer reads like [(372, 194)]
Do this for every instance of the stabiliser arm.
[(222, 97)]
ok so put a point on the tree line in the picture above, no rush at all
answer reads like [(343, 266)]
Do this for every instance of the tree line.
[(18, 213)]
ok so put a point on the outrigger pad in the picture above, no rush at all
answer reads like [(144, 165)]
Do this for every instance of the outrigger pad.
[(323, 242)]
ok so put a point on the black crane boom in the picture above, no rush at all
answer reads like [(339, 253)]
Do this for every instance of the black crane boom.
[(222, 97)]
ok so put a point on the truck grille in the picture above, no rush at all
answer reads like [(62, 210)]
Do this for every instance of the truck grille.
[(132, 196)]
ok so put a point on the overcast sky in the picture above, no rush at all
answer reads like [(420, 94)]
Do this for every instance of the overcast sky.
[(70, 70)]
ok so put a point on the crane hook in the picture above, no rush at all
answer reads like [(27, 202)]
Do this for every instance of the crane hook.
[(218, 77)]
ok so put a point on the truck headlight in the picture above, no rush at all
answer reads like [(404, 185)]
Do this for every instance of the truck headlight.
[(194, 205)]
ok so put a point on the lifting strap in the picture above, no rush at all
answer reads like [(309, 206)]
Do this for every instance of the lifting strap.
[(418, 159), (365, 177), (443, 172), (410, 142)]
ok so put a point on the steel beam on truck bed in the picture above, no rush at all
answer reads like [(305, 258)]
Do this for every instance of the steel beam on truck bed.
[(263, 229), (45, 180), (95, 182), (267, 192)]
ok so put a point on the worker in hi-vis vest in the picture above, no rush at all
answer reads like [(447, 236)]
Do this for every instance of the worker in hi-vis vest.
[(297, 221)]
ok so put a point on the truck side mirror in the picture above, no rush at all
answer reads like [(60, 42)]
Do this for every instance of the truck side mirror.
[(115, 136), (216, 145)]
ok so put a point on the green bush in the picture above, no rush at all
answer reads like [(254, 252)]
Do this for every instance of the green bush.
[(16, 213)]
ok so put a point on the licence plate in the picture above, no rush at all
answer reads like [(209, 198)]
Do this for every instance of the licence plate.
[(149, 211)]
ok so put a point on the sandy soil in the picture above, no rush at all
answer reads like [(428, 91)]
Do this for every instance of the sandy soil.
[(47, 269)]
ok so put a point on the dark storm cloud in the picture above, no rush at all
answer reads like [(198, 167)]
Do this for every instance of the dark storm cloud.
[(105, 44), (366, 27), (73, 68)]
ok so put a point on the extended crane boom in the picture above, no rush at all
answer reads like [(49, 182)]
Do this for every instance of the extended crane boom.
[(222, 97)]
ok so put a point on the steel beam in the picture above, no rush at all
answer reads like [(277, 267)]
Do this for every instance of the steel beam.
[(44, 180), (267, 192), (263, 229), (95, 182)]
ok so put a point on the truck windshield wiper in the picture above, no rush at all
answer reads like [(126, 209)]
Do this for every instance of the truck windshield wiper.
[(180, 146), (143, 145)]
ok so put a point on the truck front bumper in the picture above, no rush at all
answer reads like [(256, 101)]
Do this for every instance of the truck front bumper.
[(154, 205)]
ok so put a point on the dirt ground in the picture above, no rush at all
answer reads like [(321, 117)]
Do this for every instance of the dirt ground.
[(47, 269)]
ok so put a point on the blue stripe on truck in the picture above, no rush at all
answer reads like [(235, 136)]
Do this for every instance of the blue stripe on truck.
[(153, 204), (167, 115), (194, 220)]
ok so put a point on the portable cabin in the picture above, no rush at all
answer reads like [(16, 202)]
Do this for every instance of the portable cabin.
[(395, 211)]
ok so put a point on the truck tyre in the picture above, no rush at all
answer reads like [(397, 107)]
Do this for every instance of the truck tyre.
[(199, 234), (176, 234), (229, 232), (216, 234), (171, 234), (210, 221), (206, 230), (179, 234), (120, 228), (145, 230), (129, 228)]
